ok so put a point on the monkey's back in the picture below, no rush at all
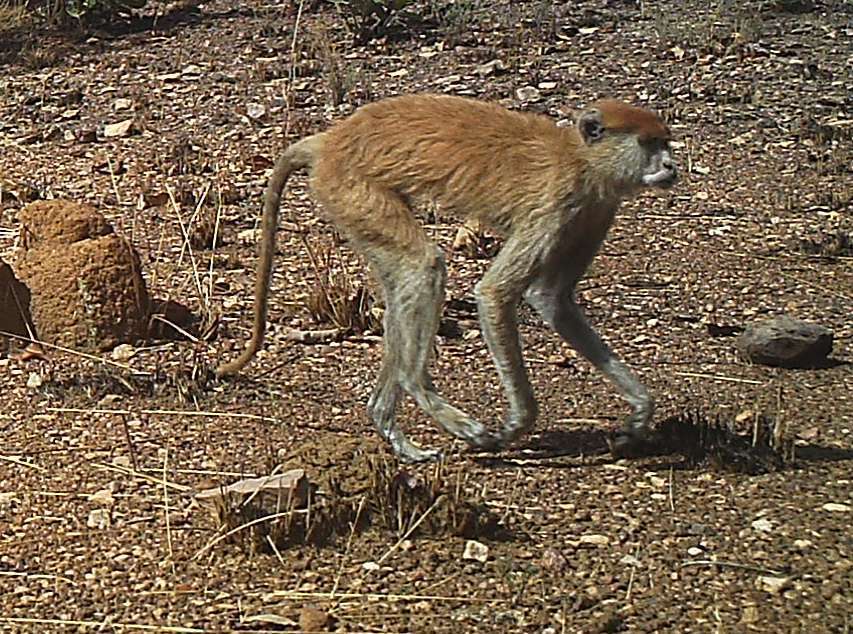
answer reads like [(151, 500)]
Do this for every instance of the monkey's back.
[(472, 157)]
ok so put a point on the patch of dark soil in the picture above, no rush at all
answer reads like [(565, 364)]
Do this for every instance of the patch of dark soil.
[(352, 485)]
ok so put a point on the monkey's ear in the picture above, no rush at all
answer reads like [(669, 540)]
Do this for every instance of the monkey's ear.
[(590, 126)]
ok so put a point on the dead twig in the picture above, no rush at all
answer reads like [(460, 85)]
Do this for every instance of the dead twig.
[(731, 564), (166, 511), (130, 446), (324, 335), (77, 353), (717, 377), (237, 529)]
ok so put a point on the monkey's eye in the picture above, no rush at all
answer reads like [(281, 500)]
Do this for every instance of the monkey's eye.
[(594, 131)]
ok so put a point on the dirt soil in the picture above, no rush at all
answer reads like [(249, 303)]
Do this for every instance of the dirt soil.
[(98, 527)]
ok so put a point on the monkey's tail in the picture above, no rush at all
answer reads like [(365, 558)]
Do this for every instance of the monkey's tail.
[(299, 155)]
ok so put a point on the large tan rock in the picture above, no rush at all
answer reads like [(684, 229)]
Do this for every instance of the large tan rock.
[(86, 282)]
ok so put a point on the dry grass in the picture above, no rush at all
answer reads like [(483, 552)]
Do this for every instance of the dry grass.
[(13, 15)]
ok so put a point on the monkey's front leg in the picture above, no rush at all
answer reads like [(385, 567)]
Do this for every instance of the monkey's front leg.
[(559, 309), (497, 312)]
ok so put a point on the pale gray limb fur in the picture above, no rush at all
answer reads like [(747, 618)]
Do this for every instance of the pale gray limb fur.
[(558, 308), (414, 300)]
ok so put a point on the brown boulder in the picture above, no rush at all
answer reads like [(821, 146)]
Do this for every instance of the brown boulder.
[(86, 282), (786, 342)]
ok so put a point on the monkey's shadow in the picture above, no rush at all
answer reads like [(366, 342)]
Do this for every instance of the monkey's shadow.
[(550, 445)]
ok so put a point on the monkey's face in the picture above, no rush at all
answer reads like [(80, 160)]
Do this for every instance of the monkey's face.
[(630, 146), (658, 165)]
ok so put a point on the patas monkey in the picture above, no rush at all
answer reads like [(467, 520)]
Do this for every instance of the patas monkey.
[(551, 192)]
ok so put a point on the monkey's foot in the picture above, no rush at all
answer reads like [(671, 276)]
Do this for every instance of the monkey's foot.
[(486, 441), (409, 452), (628, 443)]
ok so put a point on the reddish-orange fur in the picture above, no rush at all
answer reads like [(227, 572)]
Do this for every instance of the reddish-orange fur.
[(621, 117)]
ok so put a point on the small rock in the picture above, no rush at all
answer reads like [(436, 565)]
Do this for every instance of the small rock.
[(370, 566), (528, 93), (122, 104), (120, 129), (763, 525), (629, 560), (835, 507), (103, 497), (750, 615), (657, 481), (247, 236), (255, 110), (786, 342), (34, 381), (596, 540), (694, 551), (491, 68), (773, 585), (123, 352), (553, 560), (476, 551), (803, 544), (313, 620), (609, 623), (99, 519)]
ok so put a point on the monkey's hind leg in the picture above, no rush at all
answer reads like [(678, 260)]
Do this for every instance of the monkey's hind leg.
[(417, 298), (381, 225)]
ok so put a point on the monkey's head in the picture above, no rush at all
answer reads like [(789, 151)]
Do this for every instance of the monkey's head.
[(628, 146)]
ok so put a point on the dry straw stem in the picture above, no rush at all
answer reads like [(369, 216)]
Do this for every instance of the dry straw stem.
[(177, 328), (36, 575), (210, 472), (275, 549), (301, 595), (717, 377), (114, 181), (411, 530), (819, 287), (732, 564), (347, 549), (141, 476), (22, 463), (237, 529), (163, 412), (216, 225), (186, 246), (77, 353), (166, 510), (100, 625)]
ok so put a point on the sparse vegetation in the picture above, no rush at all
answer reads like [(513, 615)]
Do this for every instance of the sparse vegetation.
[(369, 19), (17, 13), (337, 299)]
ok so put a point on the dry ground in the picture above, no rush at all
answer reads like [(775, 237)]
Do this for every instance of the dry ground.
[(759, 96)]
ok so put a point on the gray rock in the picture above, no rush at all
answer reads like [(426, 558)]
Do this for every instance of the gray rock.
[(786, 342)]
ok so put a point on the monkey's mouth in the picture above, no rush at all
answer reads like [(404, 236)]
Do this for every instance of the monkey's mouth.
[(663, 179)]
